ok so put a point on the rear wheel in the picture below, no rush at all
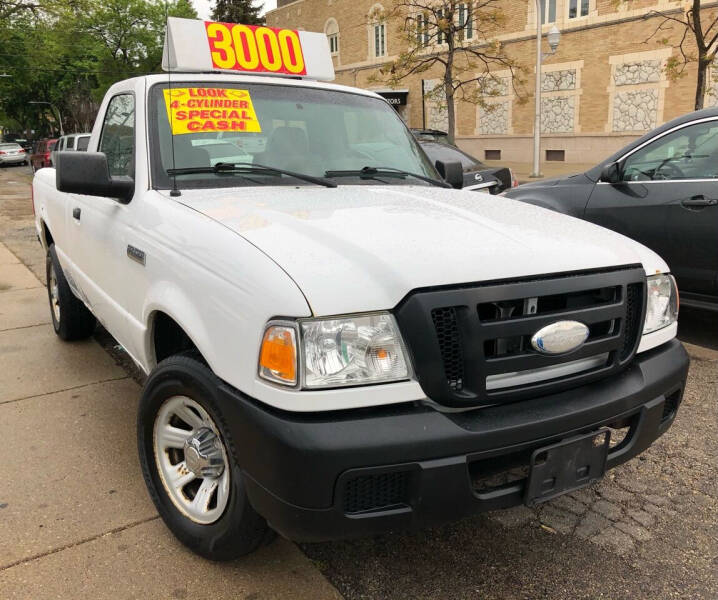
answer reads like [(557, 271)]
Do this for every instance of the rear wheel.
[(189, 462), (70, 317)]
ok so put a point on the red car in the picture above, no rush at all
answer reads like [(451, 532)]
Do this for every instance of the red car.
[(42, 156)]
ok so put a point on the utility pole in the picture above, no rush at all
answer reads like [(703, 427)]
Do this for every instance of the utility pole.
[(554, 36)]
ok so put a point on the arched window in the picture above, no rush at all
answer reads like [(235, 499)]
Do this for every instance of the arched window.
[(377, 32), (331, 30)]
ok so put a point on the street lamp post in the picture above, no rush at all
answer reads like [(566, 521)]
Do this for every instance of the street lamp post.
[(52, 106), (554, 36)]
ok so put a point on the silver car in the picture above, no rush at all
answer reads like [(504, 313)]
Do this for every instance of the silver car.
[(12, 154)]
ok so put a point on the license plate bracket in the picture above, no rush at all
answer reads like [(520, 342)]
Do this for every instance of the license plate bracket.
[(567, 466)]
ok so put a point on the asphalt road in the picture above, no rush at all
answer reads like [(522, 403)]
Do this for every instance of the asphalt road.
[(649, 530)]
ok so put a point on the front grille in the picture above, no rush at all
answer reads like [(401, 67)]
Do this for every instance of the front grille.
[(471, 344), (383, 491), (447, 334), (634, 308)]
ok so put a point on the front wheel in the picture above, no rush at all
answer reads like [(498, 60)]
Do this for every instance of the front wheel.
[(70, 317), (189, 462)]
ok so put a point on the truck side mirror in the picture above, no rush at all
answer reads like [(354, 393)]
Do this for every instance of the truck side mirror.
[(87, 173), (611, 173), (452, 172)]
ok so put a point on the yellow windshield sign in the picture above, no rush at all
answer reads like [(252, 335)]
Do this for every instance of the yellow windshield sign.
[(199, 109)]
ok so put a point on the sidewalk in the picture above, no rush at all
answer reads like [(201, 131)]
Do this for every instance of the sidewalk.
[(75, 518)]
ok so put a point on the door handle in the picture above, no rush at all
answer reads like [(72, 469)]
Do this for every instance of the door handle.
[(76, 212), (698, 201)]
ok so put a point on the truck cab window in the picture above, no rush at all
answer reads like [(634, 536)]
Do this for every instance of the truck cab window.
[(118, 135)]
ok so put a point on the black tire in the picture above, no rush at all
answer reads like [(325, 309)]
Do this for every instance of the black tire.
[(75, 321), (240, 529)]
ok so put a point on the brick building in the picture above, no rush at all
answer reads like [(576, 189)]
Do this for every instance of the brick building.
[(603, 87)]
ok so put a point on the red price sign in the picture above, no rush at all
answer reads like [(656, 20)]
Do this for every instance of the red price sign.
[(255, 49)]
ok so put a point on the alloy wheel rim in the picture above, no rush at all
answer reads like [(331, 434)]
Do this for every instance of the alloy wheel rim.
[(54, 294), (191, 459)]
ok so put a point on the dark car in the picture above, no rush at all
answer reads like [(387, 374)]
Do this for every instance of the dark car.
[(430, 135), (477, 175), (661, 190), (42, 155)]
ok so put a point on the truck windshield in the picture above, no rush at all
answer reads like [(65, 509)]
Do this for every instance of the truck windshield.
[(305, 130)]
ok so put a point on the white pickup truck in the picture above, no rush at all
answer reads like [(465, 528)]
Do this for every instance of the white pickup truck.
[(338, 343)]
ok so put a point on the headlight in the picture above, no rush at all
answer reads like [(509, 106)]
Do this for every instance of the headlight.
[(353, 350), (662, 302)]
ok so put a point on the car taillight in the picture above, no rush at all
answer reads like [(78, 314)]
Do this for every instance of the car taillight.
[(1, 152), (21, 151), (514, 180)]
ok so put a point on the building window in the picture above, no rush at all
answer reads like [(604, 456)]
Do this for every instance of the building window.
[(578, 8), (465, 21), (548, 11), (440, 38), (331, 30), (379, 40), (422, 30)]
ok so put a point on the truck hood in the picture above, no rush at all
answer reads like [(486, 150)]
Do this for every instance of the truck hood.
[(358, 248)]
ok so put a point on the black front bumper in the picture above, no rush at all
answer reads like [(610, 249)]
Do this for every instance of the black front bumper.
[(361, 472)]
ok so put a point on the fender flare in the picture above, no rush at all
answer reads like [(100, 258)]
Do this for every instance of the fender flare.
[(168, 298)]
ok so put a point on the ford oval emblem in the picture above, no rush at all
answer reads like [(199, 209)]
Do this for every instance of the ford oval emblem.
[(560, 337)]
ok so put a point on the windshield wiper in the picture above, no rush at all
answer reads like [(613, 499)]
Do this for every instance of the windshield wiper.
[(247, 167), (374, 172)]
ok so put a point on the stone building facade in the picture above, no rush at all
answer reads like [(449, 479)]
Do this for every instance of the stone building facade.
[(605, 85)]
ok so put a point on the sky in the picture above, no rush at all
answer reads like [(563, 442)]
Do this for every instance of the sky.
[(204, 7)]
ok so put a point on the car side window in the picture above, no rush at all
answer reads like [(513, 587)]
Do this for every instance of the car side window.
[(687, 153), (69, 143), (118, 135)]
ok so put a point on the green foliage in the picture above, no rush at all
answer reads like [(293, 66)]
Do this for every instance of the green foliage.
[(68, 52), (237, 11)]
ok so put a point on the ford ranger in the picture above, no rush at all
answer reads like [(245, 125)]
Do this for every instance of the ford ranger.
[(337, 342)]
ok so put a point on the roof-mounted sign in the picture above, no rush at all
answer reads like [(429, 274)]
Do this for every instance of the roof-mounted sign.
[(193, 46)]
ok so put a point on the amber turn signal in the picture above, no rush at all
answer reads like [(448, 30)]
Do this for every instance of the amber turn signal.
[(278, 355)]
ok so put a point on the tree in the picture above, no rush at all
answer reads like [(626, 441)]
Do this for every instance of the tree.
[(69, 52), (238, 11), (697, 28), (455, 38), (11, 8)]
